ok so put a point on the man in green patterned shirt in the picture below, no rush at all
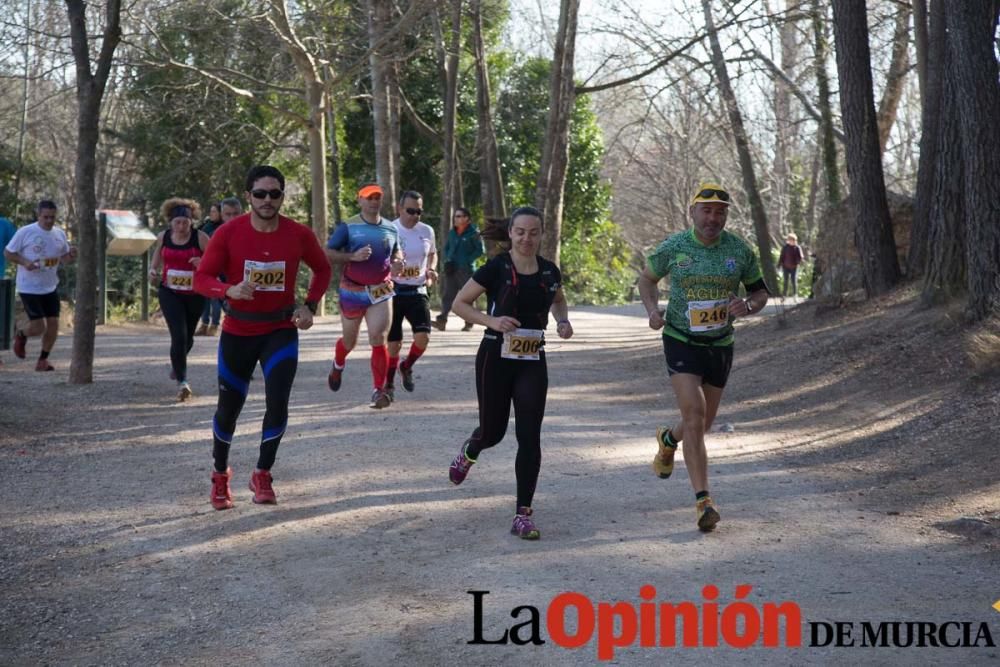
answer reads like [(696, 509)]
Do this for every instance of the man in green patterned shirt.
[(706, 265)]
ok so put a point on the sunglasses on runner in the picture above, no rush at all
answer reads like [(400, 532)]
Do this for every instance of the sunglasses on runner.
[(263, 194), (414, 211), (721, 195)]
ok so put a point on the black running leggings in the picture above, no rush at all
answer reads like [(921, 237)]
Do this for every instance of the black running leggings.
[(500, 382), (278, 354), (181, 311)]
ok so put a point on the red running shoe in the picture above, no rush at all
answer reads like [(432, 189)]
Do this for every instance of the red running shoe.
[(260, 484), (222, 497), (44, 365), (20, 341)]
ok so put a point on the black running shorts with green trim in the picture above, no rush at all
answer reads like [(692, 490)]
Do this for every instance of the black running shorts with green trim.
[(711, 362)]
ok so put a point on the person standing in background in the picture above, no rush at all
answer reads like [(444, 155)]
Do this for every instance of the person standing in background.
[(789, 260), (7, 231), (211, 314), (463, 246)]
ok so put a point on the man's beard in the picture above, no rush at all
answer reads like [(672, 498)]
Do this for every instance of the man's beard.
[(261, 215)]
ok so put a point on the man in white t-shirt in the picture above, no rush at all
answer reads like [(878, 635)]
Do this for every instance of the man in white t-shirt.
[(416, 240), (38, 249)]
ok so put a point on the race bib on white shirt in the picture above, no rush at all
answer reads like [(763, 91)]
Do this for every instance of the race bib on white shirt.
[(265, 276), (708, 315), (417, 245), (44, 247)]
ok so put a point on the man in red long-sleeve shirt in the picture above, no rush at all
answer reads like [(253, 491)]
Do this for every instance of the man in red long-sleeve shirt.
[(261, 252)]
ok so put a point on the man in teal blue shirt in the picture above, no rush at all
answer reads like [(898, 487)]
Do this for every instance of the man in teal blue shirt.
[(463, 247), (7, 231)]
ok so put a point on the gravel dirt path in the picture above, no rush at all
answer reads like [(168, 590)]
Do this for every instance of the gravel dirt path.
[(110, 553)]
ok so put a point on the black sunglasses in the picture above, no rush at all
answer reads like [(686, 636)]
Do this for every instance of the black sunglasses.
[(414, 211), (722, 195), (263, 194)]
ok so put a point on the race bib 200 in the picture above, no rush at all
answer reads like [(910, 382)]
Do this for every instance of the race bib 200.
[(522, 344)]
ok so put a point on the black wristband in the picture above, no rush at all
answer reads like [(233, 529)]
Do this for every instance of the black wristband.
[(311, 305)]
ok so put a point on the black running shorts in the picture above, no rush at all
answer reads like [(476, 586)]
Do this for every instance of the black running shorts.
[(415, 308), (40, 306), (710, 362)]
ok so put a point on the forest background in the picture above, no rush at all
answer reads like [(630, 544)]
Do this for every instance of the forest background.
[(603, 114)]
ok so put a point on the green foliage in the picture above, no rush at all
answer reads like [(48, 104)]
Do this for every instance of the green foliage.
[(798, 199), (38, 175), (192, 138), (595, 265), (594, 254)]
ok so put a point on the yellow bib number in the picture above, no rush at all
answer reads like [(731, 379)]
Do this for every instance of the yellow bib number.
[(522, 344), (265, 276), (708, 315), (49, 262), (380, 292), (182, 281), (410, 272)]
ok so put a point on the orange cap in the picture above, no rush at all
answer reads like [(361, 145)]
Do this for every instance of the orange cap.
[(370, 189)]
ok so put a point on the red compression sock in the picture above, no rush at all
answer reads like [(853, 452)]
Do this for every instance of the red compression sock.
[(413, 355), (380, 364), (340, 353)]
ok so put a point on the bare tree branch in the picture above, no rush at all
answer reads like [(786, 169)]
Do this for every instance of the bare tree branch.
[(806, 104)]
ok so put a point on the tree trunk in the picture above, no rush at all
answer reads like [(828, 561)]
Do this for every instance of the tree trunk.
[(971, 29), (334, 161), (920, 39), (757, 212), (811, 232), (395, 109), (784, 128), (490, 176), (451, 190), (551, 183), (378, 20), (896, 77), (930, 115), (831, 172), (873, 229), (90, 85), (945, 231), (315, 98)]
